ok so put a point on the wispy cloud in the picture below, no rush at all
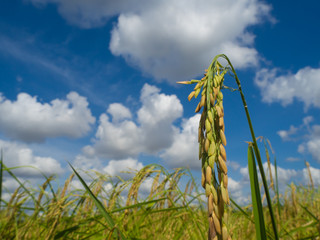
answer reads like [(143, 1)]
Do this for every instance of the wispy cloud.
[(65, 68), (26, 53), (307, 134)]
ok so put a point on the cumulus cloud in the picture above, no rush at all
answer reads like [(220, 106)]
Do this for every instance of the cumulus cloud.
[(315, 174), (237, 191), (173, 40), (240, 189), (29, 120), (15, 154), (184, 149), (177, 40), (233, 164), (152, 132), (303, 86), (313, 144), (123, 168), (285, 176), (118, 112)]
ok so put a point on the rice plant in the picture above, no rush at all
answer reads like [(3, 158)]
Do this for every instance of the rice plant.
[(212, 152)]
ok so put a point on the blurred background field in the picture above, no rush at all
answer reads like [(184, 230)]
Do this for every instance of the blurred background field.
[(168, 210)]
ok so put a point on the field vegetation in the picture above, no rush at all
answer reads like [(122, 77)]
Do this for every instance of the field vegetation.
[(164, 212)]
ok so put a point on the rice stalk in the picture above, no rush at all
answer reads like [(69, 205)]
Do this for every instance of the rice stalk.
[(309, 173), (212, 142)]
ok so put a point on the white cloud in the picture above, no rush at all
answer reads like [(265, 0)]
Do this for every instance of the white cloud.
[(303, 86), (286, 135), (184, 149), (119, 112), (313, 144), (233, 164), (123, 168), (285, 176), (237, 191), (153, 131), (29, 120), (10, 184), (15, 154), (173, 40), (307, 120), (310, 135), (293, 159), (93, 13), (177, 40), (315, 174), (116, 140)]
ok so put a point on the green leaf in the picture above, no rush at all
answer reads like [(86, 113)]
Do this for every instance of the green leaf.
[(256, 197), (99, 205)]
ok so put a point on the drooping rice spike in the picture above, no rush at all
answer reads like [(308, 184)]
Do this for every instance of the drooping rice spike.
[(203, 179), (222, 165), (197, 92), (198, 108), (214, 194), (223, 152), (210, 204), (223, 193), (211, 161), (225, 181), (184, 82), (225, 235), (212, 149), (221, 122), (212, 100), (208, 175), (191, 95), (208, 125), (203, 101), (211, 138), (216, 223), (219, 111), (223, 138)]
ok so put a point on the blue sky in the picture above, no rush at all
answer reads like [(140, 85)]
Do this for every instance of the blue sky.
[(93, 83)]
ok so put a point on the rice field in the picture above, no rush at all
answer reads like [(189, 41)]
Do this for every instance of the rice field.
[(163, 212)]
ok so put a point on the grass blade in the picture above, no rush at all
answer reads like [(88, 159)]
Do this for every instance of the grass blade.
[(241, 210), (21, 184), (256, 197), (276, 179), (65, 232), (99, 205), (255, 145)]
